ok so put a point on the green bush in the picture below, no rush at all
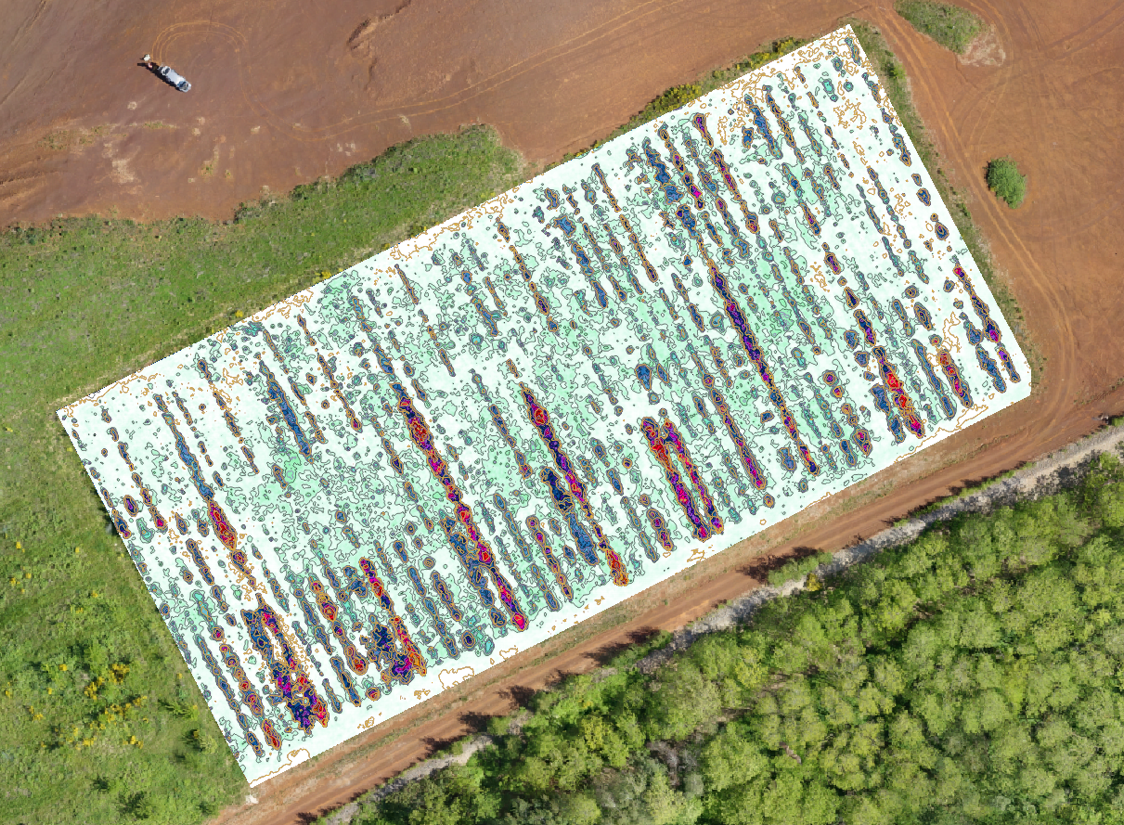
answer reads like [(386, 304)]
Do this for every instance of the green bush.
[(499, 725), (1005, 180), (671, 100), (951, 26), (201, 741), (797, 568), (96, 657), (139, 805)]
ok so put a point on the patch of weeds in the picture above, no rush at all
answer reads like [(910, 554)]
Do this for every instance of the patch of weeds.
[(58, 140), (951, 26), (1005, 180)]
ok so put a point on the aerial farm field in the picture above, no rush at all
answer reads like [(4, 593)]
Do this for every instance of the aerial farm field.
[(492, 435), (90, 301)]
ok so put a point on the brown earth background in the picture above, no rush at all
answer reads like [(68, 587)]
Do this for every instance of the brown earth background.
[(288, 91)]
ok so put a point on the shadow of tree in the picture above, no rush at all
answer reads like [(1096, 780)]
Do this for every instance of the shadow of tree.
[(603, 655), (760, 568), (433, 744), (475, 722)]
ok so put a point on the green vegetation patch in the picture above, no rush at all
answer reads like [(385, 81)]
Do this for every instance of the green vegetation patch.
[(958, 494), (103, 724), (970, 676), (798, 568), (1005, 180), (951, 26)]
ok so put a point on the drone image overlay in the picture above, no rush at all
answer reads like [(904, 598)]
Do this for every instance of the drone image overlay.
[(448, 453)]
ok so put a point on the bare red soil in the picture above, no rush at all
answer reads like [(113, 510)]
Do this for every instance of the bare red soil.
[(286, 92)]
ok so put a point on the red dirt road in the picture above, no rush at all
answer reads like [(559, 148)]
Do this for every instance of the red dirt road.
[(287, 92)]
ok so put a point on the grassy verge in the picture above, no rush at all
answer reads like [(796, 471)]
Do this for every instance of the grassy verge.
[(951, 26), (896, 84), (964, 492), (103, 722)]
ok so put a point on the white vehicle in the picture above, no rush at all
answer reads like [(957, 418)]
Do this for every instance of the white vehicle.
[(173, 77)]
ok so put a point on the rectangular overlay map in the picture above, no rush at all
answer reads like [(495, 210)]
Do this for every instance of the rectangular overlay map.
[(442, 456)]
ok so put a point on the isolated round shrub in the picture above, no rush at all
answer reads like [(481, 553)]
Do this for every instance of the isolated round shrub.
[(1005, 180)]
